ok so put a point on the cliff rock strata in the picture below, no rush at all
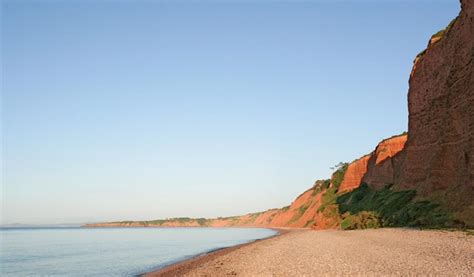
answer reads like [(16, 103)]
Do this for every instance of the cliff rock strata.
[(438, 155), (385, 164)]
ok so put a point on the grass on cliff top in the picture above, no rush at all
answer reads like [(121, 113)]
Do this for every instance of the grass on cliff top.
[(440, 34), (160, 222), (320, 186), (365, 207), (254, 216), (404, 133), (443, 32), (421, 54)]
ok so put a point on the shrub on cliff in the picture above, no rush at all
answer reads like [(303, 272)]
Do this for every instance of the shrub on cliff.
[(391, 208), (338, 176), (158, 222), (331, 186), (328, 198), (361, 220), (202, 221), (319, 186)]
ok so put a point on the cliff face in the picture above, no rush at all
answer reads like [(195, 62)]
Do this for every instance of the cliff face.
[(385, 164), (438, 155), (379, 168), (355, 173)]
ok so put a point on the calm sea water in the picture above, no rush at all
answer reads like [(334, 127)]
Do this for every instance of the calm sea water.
[(110, 251)]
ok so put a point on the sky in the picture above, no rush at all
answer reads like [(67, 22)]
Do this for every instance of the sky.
[(135, 110)]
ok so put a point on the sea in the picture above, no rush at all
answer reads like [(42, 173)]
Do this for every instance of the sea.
[(110, 251)]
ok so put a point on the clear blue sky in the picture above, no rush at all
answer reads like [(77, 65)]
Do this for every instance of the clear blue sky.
[(121, 110)]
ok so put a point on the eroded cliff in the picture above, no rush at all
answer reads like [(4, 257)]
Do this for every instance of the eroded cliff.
[(438, 162)]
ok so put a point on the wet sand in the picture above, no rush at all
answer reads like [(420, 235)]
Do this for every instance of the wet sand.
[(300, 252)]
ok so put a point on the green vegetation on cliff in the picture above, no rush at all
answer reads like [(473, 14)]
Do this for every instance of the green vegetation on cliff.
[(361, 220), (439, 35), (338, 176), (159, 222), (332, 186), (365, 207), (320, 186), (301, 210)]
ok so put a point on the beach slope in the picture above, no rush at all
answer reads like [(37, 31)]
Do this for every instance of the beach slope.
[(328, 252)]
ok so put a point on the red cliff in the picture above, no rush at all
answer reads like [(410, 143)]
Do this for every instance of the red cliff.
[(354, 174), (385, 163), (379, 168), (438, 162)]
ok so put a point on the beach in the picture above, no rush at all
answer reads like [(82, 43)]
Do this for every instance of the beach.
[(304, 252)]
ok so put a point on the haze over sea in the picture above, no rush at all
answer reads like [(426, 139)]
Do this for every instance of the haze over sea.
[(110, 251)]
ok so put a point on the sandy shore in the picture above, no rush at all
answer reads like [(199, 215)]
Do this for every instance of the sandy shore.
[(366, 252)]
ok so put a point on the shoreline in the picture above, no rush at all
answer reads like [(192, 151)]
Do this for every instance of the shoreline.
[(188, 264), (305, 252)]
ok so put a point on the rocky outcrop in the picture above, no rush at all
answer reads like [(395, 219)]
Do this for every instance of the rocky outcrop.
[(438, 155), (385, 163), (379, 168), (354, 174)]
